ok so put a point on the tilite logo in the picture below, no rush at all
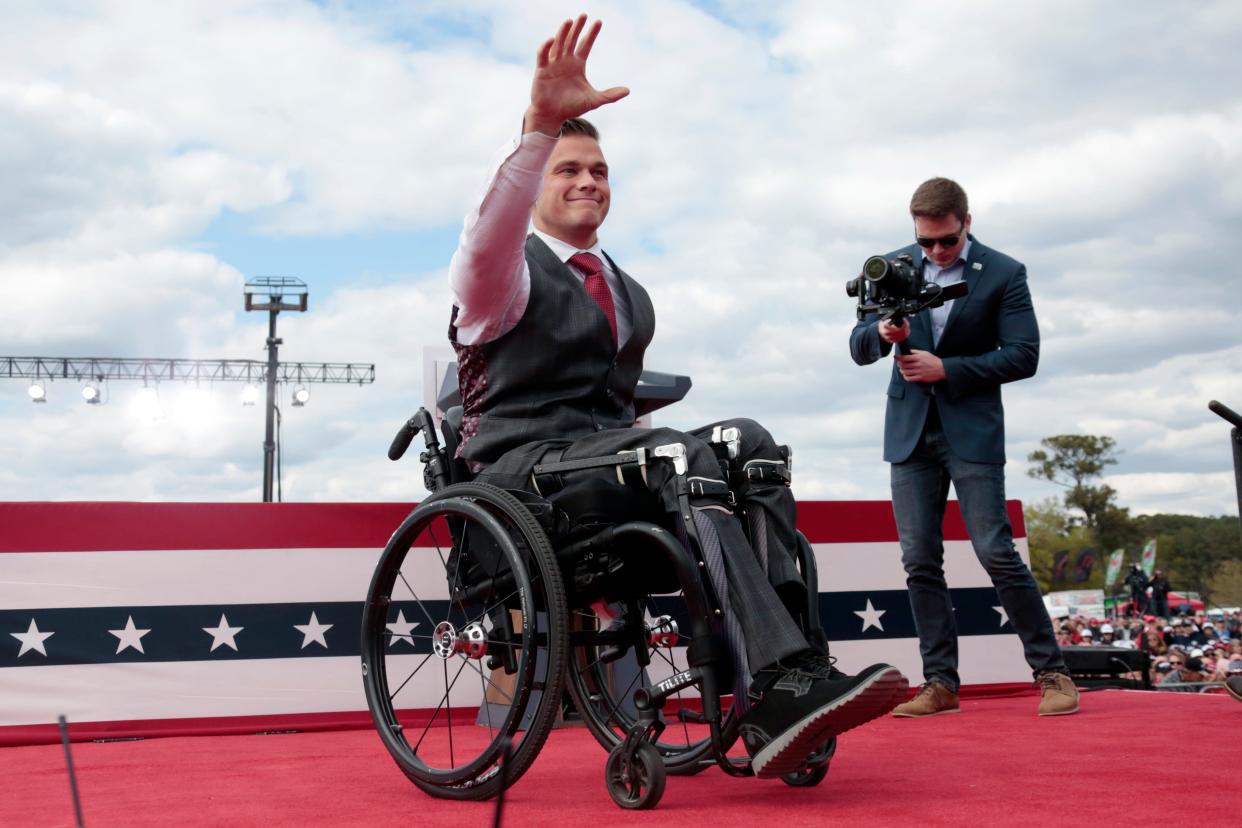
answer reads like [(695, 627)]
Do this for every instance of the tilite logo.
[(675, 682)]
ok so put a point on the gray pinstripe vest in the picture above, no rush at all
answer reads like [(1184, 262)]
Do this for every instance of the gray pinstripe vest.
[(557, 374)]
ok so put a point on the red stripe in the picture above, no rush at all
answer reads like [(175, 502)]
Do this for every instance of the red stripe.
[(87, 527), (90, 526), (872, 521)]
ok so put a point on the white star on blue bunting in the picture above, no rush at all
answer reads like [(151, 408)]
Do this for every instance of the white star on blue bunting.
[(130, 636), (401, 630), (313, 632), (870, 617), (32, 639), (223, 634)]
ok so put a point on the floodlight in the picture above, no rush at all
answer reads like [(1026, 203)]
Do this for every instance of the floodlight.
[(300, 395), (250, 394), (37, 392), (90, 393)]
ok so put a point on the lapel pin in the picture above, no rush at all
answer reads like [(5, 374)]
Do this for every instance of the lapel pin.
[(977, 266)]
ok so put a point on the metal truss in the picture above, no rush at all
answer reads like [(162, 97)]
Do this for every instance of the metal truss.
[(182, 370)]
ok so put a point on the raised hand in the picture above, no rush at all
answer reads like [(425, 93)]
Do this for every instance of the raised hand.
[(560, 89)]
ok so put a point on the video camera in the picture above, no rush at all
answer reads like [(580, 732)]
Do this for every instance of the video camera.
[(895, 289)]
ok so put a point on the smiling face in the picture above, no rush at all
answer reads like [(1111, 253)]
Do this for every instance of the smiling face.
[(575, 196)]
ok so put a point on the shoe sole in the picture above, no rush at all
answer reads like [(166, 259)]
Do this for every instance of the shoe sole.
[(869, 700), (1061, 712), (925, 715)]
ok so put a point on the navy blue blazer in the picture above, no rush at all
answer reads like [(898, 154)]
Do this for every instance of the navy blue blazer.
[(991, 338)]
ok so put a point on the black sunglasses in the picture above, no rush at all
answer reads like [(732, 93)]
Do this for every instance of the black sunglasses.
[(945, 241)]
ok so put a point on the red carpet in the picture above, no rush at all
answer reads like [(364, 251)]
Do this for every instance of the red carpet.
[(994, 764)]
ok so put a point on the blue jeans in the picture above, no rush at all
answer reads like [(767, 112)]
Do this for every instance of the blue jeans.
[(920, 489)]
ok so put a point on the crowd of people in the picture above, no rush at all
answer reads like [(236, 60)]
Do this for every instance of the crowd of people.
[(1184, 649)]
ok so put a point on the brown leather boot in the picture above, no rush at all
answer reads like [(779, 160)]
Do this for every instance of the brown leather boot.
[(932, 700), (1234, 685), (1059, 695)]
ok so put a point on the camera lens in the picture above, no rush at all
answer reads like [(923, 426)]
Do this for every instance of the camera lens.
[(875, 268)]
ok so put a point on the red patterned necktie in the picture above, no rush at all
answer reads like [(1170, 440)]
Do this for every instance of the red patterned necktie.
[(597, 286)]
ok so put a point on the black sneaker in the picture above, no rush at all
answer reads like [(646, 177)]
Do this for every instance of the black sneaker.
[(807, 704)]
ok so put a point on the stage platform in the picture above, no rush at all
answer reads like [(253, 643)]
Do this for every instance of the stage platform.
[(996, 763)]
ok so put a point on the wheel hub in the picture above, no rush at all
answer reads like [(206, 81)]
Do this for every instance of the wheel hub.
[(471, 641), (663, 632)]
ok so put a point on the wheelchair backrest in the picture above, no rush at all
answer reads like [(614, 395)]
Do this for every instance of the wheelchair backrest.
[(450, 431)]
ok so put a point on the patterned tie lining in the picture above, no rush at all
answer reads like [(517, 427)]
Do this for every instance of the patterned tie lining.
[(597, 286), (713, 556)]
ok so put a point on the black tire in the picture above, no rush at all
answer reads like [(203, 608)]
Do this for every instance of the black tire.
[(605, 704), (638, 784), (497, 587), (816, 768)]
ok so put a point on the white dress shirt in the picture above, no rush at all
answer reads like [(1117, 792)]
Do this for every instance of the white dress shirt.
[(942, 276)]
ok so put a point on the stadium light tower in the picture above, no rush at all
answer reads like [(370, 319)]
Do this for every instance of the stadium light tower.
[(273, 294)]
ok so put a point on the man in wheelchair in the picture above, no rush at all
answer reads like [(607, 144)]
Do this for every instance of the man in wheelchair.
[(550, 335)]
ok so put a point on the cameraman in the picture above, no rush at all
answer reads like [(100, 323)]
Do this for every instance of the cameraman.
[(945, 423), (1137, 582)]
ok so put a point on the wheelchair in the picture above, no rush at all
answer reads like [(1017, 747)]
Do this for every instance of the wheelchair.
[(497, 603)]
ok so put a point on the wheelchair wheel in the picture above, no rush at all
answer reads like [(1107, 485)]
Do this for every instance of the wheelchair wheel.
[(602, 688), (635, 784), (464, 637)]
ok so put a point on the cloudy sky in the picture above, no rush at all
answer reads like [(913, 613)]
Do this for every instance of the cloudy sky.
[(154, 156)]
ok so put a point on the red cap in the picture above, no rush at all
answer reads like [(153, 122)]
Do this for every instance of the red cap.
[(1149, 618)]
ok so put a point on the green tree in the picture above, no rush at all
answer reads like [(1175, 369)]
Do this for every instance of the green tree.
[(1074, 461), (1226, 585), (1192, 550)]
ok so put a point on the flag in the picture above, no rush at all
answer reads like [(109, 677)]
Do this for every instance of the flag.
[(1149, 557), (1083, 564), (1059, 563), (1114, 567)]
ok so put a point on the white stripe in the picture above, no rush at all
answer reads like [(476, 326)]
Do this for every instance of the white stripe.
[(865, 567), (30, 580), (982, 659), (191, 689)]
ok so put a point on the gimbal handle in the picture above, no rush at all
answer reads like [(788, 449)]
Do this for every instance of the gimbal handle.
[(897, 318)]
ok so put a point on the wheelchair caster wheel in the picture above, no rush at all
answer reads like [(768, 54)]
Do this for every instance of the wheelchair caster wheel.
[(816, 767), (637, 783), (807, 777)]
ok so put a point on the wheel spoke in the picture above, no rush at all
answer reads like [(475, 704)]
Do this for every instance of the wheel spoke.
[(448, 689), (484, 703), (491, 683), (449, 705), (418, 600), (392, 696)]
